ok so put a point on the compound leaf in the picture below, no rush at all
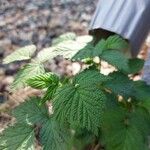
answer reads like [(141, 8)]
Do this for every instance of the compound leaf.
[(18, 137), (43, 81), (53, 136), (28, 71), (67, 49), (80, 103), (30, 112), (23, 53)]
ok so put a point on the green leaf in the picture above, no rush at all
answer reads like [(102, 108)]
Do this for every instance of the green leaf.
[(67, 46), (90, 76), (30, 112), (116, 42), (120, 84), (141, 120), (141, 90), (121, 132), (99, 48), (53, 136), (145, 104), (82, 138), (81, 102), (49, 94), (23, 53), (18, 137), (28, 71), (116, 58), (64, 37), (84, 53), (112, 43), (43, 81), (135, 65)]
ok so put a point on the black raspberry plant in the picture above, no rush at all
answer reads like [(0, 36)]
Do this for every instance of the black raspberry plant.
[(91, 111)]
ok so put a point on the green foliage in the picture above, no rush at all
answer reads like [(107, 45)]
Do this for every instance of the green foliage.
[(30, 112), (67, 46), (43, 81), (81, 102), (85, 52), (121, 131), (28, 71), (18, 137), (116, 58), (141, 90), (135, 65), (116, 42), (120, 84), (88, 109), (20, 54), (51, 134), (21, 136)]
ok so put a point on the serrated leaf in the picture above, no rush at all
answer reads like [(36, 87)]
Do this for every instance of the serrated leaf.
[(66, 45), (120, 132), (49, 94), (99, 48), (53, 136), (120, 84), (141, 90), (30, 112), (67, 49), (90, 76), (43, 80), (116, 58), (81, 103), (28, 71), (46, 54), (23, 53), (64, 37), (89, 51), (116, 42), (18, 137), (135, 65), (84, 53)]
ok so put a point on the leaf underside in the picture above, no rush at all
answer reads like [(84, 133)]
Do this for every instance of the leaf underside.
[(23, 53), (28, 71)]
